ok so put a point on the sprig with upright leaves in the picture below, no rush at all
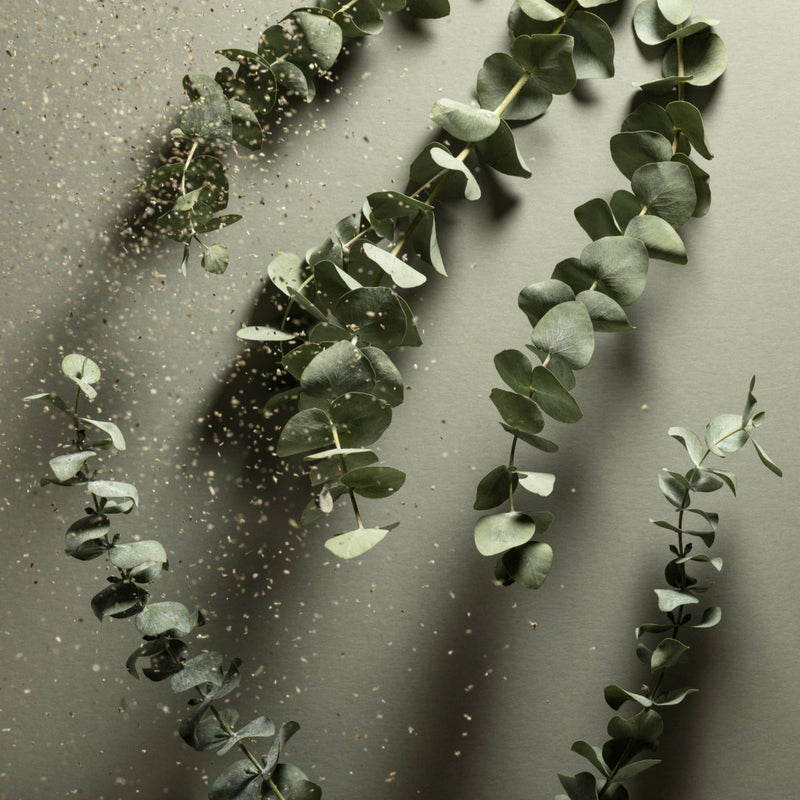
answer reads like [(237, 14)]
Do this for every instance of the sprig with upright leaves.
[(206, 725), (617, 760), (587, 295), (187, 195), (345, 291)]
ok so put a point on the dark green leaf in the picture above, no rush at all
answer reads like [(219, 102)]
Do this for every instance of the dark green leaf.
[(594, 755), (426, 243), (86, 538), (553, 398), (548, 57), (120, 600), (619, 266), (495, 488), (388, 380), (593, 55), (539, 442), (687, 119), (166, 617), (645, 728), (650, 117), (616, 697), (215, 259), (246, 128), (360, 419), (202, 669), (670, 599), (566, 331), (540, 10), (625, 207), (208, 117), (529, 564), (711, 617), (674, 696), (389, 205), (374, 482), (537, 299), (606, 314), (579, 787), (514, 367), (675, 489), (667, 654), (596, 219), (635, 767), (659, 237), (517, 411), (650, 24), (498, 75), (337, 370), (428, 9), (633, 149), (376, 314), (309, 429), (500, 152)]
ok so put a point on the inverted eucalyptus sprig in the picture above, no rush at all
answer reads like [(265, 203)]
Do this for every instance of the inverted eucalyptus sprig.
[(206, 725), (351, 315), (187, 195), (587, 295), (617, 760)]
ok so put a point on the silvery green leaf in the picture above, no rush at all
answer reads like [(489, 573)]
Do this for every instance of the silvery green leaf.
[(117, 439), (83, 371), (467, 123), (496, 533), (67, 466), (529, 563), (355, 543)]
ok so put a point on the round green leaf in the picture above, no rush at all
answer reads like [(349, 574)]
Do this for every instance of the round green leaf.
[(675, 11), (540, 483), (650, 24), (705, 58), (619, 265), (496, 533), (286, 272), (119, 600), (548, 57), (537, 299), (374, 482), (498, 75), (519, 412), (114, 490), (650, 117), (666, 190), (500, 152), (360, 419), (215, 259), (375, 314), (625, 207), (355, 543), (465, 122), (208, 118), (391, 205), (86, 538), (134, 554), (309, 429), (725, 434), (388, 380), (70, 464), (566, 331), (514, 367), (687, 119), (633, 149), (495, 488), (607, 315), (529, 564), (701, 184), (323, 38), (246, 128), (659, 237), (593, 54), (335, 371), (596, 218)]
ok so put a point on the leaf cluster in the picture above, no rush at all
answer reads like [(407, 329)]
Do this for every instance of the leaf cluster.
[(344, 309), (164, 625), (618, 758), (188, 195), (587, 295)]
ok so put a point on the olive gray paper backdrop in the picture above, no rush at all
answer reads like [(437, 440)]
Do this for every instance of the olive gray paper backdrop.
[(410, 673)]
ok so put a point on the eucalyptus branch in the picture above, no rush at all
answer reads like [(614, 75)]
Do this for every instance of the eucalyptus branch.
[(348, 322), (616, 760), (232, 108), (586, 295), (163, 625)]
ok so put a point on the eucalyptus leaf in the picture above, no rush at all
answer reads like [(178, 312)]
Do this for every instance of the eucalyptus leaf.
[(119, 600), (579, 787), (246, 129), (403, 275), (495, 487), (711, 616), (337, 370), (659, 237), (705, 58), (426, 242), (540, 483), (376, 314), (205, 668), (67, 466), (670, 599), (625, 207), (650, 117), (390, 205), (467, 123), (537, 299), (515, 368), (593, 54), (388, 380), (650, 25), (592, 754), (619, 266), (374, 481), (539, 442), (309, 429), (498, 75), (264, 333), (500, 152), (286, 271), (596, 218), (360, 418), (529, 564), (81, 370), (208, 118), (633, 149), (635, 768), (540, 10), (552, 397), (691, 442), (675, 11), (616, 697), (158, 618), (606, 314), (355, 543), (85, 539), (112, 490), (687, 119), (566, 331), (548, 58), (496, 533), (520, 413), (443, 158), (667, 190), (725, 434), (667, 654), (133, 554), (674, 696)]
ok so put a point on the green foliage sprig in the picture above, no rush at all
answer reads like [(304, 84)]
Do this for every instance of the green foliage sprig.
[(206, 725), (188, 195), (345, 290), (617, 760), (587, 295)]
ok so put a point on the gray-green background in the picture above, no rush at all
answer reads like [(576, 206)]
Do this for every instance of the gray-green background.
[(411, 674)]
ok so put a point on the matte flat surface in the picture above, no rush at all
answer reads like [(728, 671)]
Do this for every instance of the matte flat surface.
[(411, 674)]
